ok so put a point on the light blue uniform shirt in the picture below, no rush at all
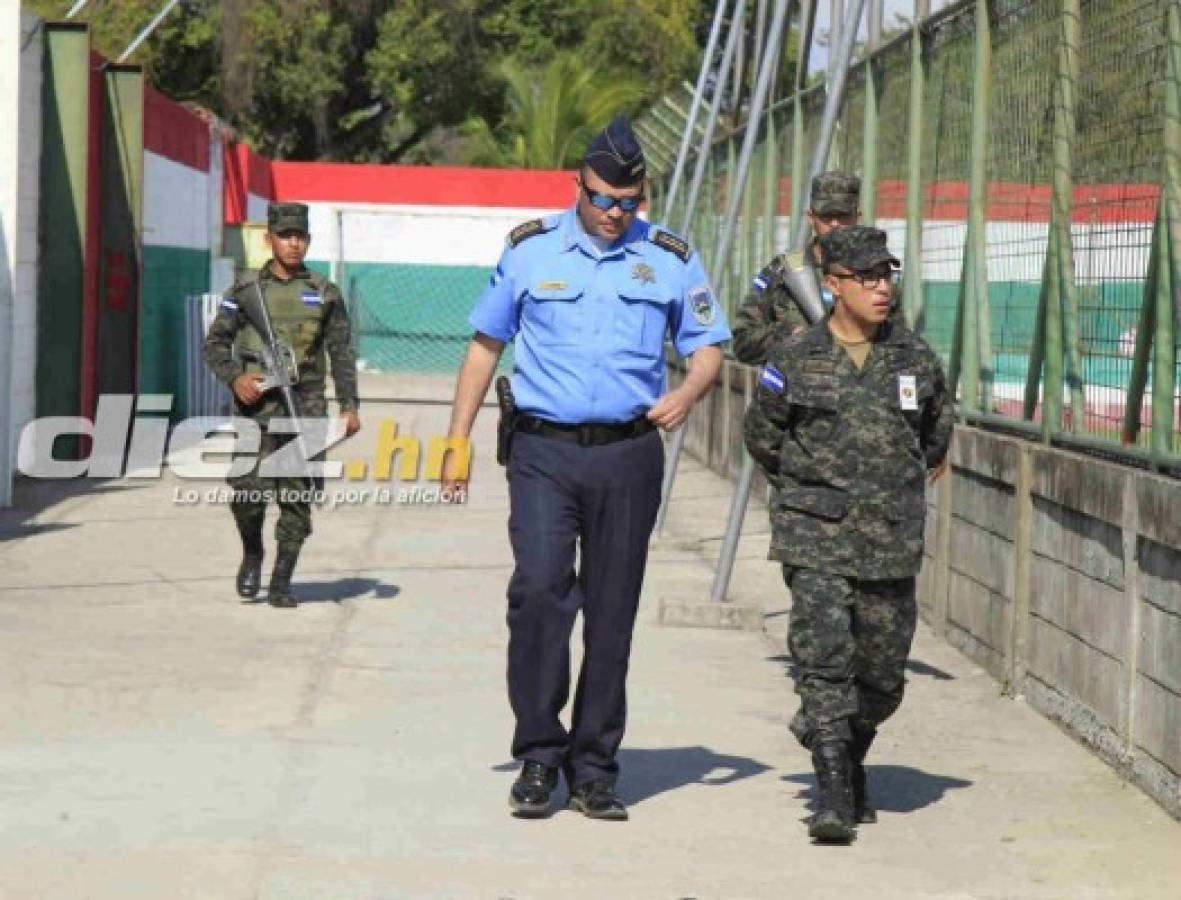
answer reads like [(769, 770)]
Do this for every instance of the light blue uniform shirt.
[(590, 327)]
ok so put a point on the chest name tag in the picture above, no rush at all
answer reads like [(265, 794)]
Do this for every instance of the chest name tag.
[(907, 392), (311, 298), (551, 285)]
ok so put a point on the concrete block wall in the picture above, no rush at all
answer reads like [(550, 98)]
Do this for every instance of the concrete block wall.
[(1082, 612), (1059, 574)]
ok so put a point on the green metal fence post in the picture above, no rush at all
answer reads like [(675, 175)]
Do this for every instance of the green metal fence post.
[(1164, 355), (978, 376), (1138, 379), (869, 126), (1063, 201), (1037, 350), (973, 312), (912, 299), (799, 187), (770, 194), (1052, 377), (1164, 358)]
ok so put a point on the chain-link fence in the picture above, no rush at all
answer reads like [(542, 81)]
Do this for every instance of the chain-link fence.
[(1075, 120), (411, 279)]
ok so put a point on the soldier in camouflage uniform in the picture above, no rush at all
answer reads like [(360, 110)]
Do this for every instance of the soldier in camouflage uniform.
[(769, 311), (308, 314), (850, 417)]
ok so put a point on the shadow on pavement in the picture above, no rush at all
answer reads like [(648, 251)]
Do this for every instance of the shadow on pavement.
[(898, 789), (23, 531), (343, 589), (645, 773), (31, 497), (914, 666), (918, 667)]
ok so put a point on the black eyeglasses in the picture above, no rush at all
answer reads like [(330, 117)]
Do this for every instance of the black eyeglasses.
[(869, 279), (607, 202)]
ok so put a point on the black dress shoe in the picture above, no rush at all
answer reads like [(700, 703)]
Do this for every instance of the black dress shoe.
[(597, 800), (530, 794), (249, 575)]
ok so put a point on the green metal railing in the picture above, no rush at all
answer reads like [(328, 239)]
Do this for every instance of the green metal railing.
[(1025, 158)]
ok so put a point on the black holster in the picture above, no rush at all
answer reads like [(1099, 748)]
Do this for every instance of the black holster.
[(508, 419)]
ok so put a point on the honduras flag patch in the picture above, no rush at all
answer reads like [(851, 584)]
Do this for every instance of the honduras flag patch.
[(227, 303), (760, 283), (772, 379), (311, 298)]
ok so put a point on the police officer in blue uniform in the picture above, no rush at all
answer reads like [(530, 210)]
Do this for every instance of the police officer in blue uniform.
[(589, 296)]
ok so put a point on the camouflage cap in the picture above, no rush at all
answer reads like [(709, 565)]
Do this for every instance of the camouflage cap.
[(615, 154), (287, 217), (858, 248), (836, 193)]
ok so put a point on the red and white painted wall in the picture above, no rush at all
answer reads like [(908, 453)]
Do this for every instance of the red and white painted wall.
[(412, 246)]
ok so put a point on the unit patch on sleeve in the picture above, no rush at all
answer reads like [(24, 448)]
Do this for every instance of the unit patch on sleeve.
[(701, 304)]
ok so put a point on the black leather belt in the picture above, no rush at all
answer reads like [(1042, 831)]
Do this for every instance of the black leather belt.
[(588, 434)]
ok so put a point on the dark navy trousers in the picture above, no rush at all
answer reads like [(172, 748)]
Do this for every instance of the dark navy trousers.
[(598, 504)]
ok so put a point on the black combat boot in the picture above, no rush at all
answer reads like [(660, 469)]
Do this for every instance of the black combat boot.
[(862, 809), (833, 820), (280, 590), (250, 571)]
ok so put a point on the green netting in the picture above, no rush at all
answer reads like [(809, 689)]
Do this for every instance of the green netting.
[(412, 317), (1116, 163)]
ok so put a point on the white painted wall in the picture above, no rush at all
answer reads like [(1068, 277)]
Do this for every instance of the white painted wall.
[(176, 204), (428, 235), (20, 154)]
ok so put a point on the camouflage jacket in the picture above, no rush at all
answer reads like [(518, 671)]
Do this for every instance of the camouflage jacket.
[(848, 450), (308, 313), (768, 313)]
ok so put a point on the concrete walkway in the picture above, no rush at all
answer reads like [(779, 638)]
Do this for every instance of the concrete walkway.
[(160, 739)]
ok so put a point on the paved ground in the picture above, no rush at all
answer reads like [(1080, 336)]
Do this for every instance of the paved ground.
[(160, 739)]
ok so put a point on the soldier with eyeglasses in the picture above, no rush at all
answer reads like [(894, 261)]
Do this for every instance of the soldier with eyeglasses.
[(589, 297), (851, 419)]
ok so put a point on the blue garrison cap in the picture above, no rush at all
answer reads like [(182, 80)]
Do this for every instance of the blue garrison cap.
[(615, 154)]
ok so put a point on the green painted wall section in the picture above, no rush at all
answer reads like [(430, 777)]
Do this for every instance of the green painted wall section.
[(62, 218), (170, 274), (412, 318), (1107, 312)]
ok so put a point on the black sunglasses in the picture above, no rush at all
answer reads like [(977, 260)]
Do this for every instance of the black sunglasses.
[(870, 278), (607, 202)]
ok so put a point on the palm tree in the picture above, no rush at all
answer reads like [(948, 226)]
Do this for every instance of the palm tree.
[(553, 111)]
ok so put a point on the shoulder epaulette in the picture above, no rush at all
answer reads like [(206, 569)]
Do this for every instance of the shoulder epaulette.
[(526, 230), (673, 244)]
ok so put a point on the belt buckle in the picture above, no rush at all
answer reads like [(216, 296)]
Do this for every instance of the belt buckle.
[(586, 434)]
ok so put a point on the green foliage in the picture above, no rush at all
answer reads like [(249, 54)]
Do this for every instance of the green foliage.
[(553, 111), (397, 80)]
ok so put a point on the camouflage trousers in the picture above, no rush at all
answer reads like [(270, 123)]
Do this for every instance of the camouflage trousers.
[(252, 492), (849, 639)]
